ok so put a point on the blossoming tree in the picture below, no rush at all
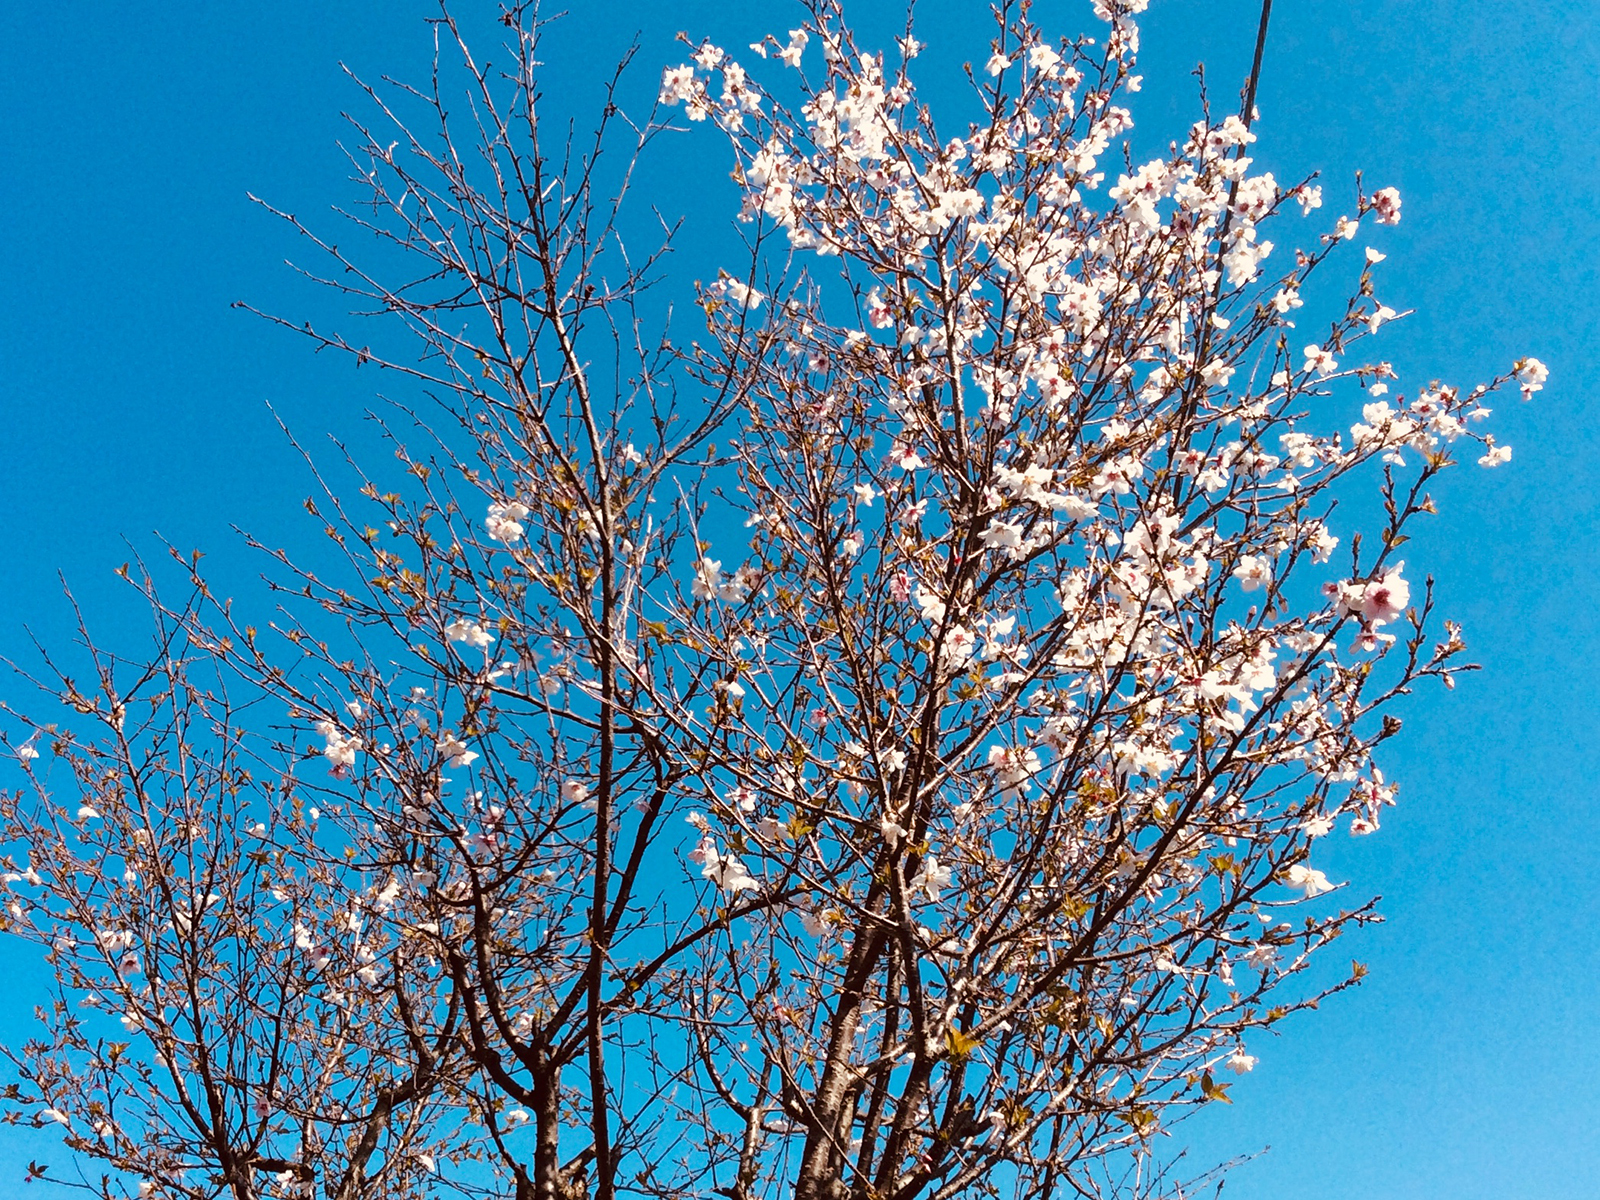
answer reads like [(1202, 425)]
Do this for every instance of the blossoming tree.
[(873, 749)]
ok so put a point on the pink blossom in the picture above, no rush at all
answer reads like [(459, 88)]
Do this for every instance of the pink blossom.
[(1320, 361), (1384, 598), (1253, 572), (878, 310), (677, 84), (1386, 204)]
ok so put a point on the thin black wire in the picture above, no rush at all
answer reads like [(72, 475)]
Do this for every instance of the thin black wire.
[(1255, 66), (1227, 217), (1249, 116)]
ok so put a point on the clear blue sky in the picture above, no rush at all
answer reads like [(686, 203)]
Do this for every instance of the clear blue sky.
[(132, 399)]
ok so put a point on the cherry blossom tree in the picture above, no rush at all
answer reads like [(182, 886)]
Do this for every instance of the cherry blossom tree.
[(874, 747)]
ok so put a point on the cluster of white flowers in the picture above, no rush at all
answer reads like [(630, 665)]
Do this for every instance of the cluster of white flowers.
[(735, 291), (455, 751), (1024, 643), (470, 632), (504, 522), (340, 748), (1386, 204), (724, 870), (709, 583)]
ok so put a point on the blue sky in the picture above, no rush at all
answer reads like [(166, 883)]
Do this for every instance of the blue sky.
[(133, 399)]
